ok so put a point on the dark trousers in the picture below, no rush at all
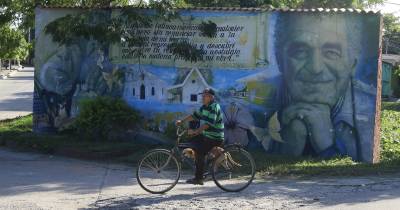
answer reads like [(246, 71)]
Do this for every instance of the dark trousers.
[(202, 145)]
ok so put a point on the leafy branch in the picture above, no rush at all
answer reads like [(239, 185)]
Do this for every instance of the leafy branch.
[(208, 29), (185, 50), (125, 28)]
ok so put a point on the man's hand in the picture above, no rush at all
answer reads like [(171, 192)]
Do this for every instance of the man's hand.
[(313, 120), (178, 123), (193, 132)]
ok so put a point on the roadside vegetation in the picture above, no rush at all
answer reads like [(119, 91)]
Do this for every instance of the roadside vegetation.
[(93, 135), (17, 134)]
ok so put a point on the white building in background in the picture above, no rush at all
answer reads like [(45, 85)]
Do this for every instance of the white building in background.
[(188, 91), (142, 85)]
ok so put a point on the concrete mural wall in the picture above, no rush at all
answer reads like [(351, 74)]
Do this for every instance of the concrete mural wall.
[(297, 83)]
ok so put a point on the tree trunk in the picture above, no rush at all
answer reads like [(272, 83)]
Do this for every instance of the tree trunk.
[(1, 65)]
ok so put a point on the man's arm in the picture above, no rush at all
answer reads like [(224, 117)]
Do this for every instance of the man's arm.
[(199, 130), (185, 119)]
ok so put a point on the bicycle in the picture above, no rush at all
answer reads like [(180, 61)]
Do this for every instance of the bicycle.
[(232, 170)]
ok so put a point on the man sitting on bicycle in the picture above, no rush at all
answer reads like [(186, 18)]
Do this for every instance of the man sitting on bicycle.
[(211, 131)]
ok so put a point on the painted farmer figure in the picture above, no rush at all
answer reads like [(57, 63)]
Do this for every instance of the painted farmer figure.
[(210, 133), (318, 60)]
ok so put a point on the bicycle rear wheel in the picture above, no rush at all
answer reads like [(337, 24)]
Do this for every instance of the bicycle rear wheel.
[(158, 171), (234, 170)]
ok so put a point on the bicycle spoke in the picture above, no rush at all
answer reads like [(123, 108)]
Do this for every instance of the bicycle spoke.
[(158, 161), (158, 172), (234, 170), (149, 162), (154, 160), (166, 163), (150, 166), (152, 163)]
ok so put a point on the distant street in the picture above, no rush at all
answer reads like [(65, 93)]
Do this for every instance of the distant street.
[(16, 94)]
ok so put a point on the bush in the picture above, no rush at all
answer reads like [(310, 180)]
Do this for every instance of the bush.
[(390, 135), (394, 106), (100, 116)]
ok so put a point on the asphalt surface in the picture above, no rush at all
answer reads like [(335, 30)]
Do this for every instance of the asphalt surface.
[(35, 181), (16, 94)]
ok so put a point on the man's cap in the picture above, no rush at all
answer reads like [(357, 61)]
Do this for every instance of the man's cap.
[(209, 91)]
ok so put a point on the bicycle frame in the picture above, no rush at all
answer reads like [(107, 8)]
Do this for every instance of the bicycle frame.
[(177, 152)]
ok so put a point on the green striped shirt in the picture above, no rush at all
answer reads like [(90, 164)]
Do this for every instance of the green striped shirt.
[(212, 116)]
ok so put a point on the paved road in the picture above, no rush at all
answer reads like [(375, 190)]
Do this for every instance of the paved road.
[(34, 181), (16, 94)]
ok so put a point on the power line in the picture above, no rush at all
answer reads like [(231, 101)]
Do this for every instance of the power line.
[(388, 2)]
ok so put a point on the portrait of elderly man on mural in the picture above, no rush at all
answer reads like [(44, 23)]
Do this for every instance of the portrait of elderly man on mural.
[(325, 110)]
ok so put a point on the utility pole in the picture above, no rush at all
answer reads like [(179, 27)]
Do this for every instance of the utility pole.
[(28, 60), (387, 45), (29, 35)]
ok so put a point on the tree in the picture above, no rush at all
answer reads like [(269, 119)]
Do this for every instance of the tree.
[(26, 8), (360, 4), (391, 36), (116, 29), (21, 14), (285, 3), (13, 44)]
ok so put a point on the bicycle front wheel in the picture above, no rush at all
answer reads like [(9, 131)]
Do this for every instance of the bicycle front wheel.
[(158, 171), (233, 170)]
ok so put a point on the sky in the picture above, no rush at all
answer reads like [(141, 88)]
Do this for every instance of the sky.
[(390, 6)]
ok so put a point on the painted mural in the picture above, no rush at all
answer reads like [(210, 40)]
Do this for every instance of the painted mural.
[(292, 83)]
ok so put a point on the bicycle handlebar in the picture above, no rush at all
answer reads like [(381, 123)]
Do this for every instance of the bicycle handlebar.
[(179, 131)]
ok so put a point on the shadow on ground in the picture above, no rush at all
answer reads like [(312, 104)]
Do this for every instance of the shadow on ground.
[(292, 194), (115, 187), (20, 78), (21, 102)]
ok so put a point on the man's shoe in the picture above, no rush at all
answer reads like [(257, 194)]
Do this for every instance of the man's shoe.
[(195, 181)]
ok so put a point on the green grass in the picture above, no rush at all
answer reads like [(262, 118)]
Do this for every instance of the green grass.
[(17, 134), (390, 132), (16, 125), (268, 165)]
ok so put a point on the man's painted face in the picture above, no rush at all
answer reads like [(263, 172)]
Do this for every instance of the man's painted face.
[(316, 64)]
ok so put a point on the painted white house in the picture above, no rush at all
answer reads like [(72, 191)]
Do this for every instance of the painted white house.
[(142, 85), (189, 89)]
